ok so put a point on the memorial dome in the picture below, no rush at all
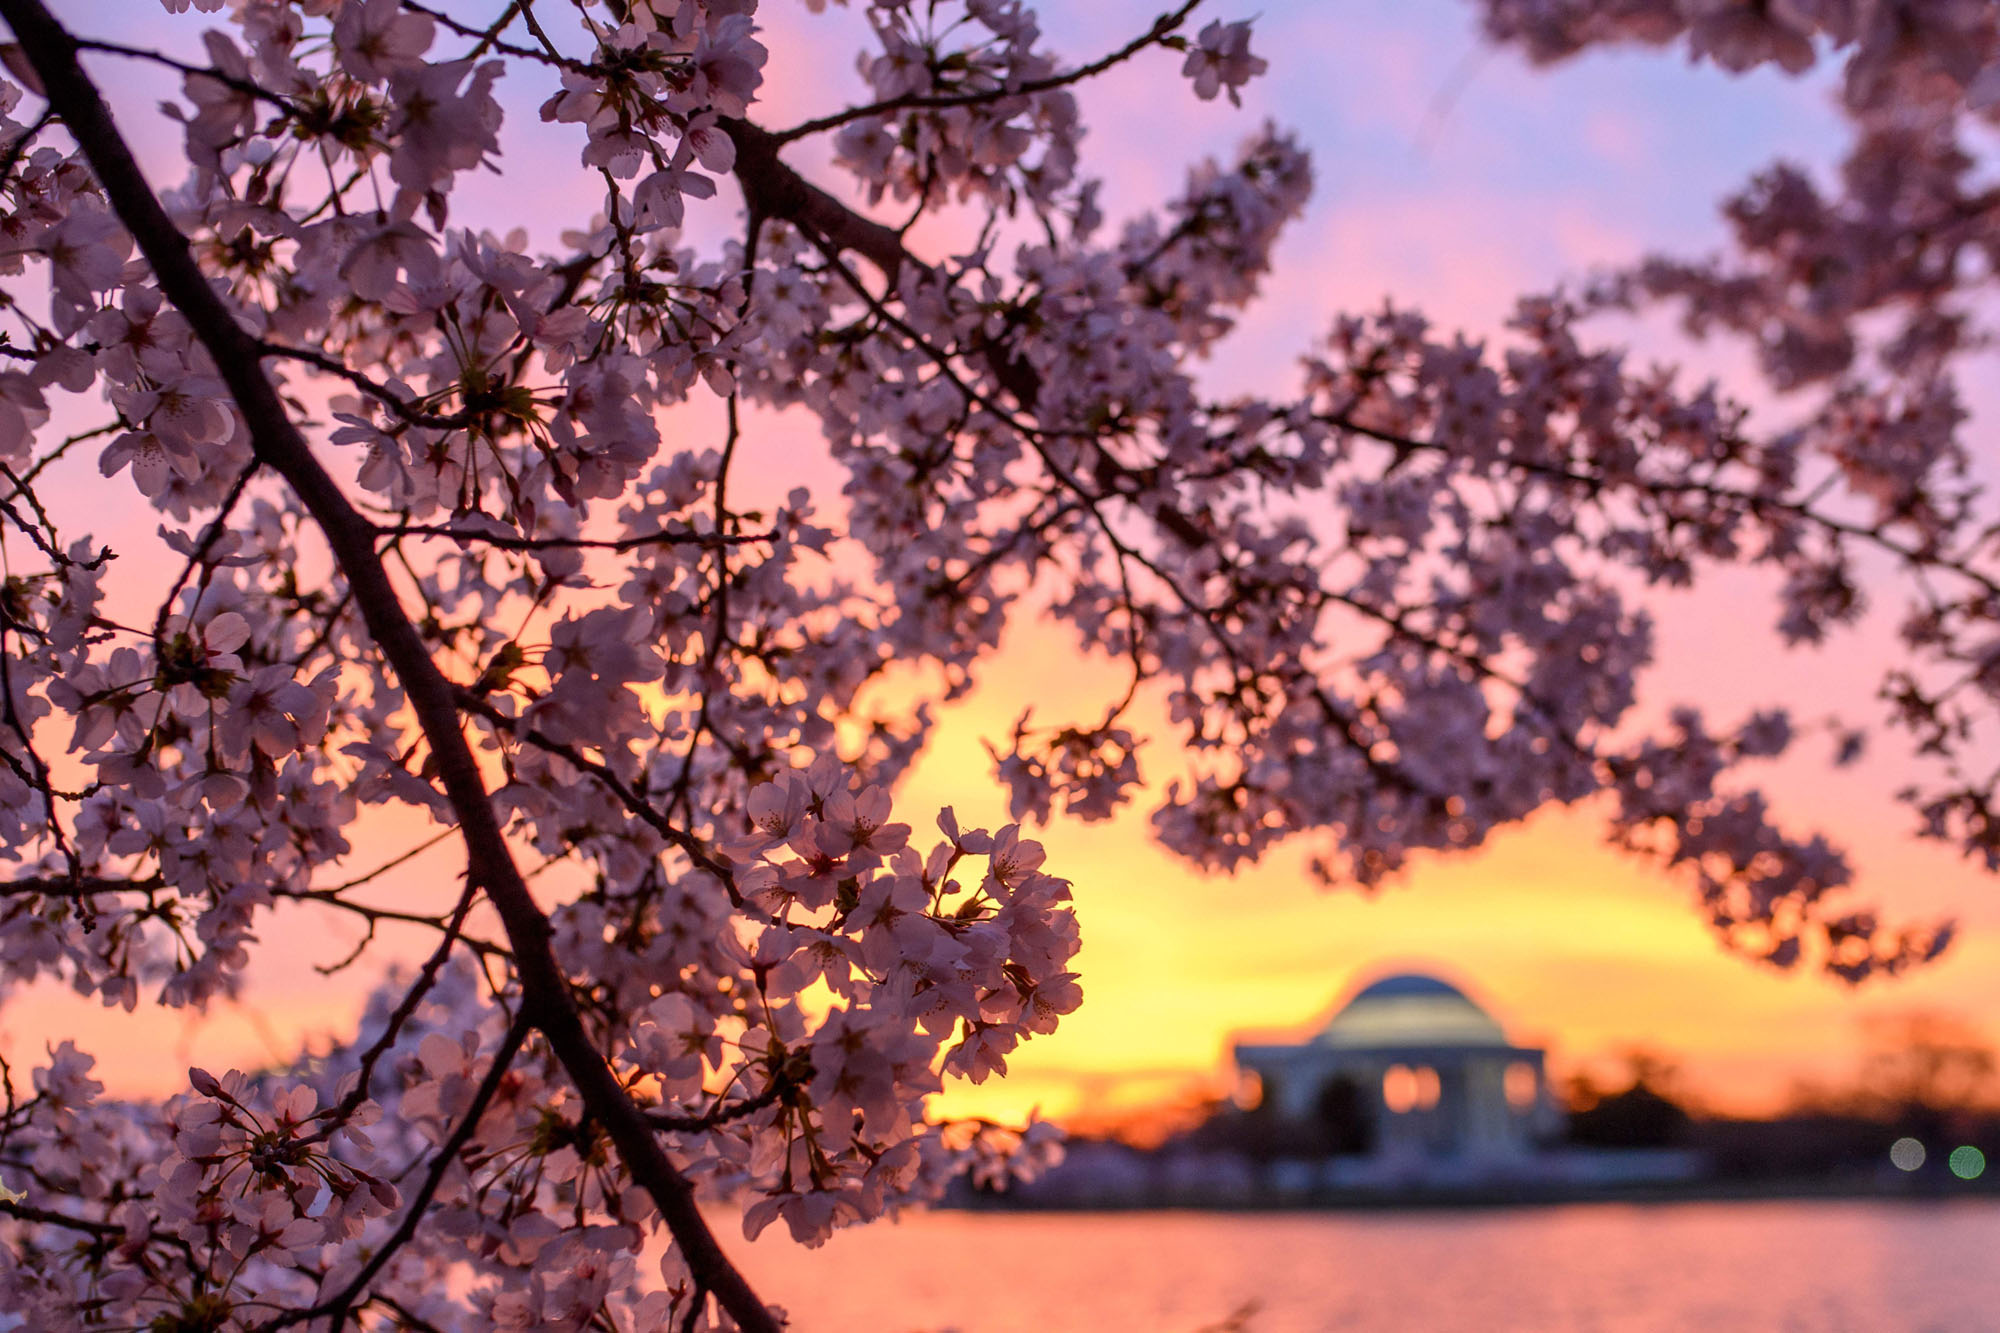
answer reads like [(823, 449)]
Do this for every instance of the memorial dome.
[(1411, 1009)]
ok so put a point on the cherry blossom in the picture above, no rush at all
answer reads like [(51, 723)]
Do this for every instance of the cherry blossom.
[(434, 534), (1221, 60)]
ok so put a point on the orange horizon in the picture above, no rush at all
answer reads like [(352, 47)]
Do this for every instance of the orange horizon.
[(1569, 943)]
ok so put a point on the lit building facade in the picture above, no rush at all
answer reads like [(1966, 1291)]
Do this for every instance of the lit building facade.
[(1412, 1074)]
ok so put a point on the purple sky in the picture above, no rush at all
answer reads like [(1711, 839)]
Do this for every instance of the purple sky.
[(1454, 179)]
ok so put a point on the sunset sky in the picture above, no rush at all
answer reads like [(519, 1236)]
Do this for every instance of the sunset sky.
[(1453, 179)]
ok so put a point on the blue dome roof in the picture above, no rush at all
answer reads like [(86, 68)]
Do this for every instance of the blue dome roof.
[(1411, 1009), (1407, 983)]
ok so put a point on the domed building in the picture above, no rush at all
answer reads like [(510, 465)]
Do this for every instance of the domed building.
[(1409, 1072)]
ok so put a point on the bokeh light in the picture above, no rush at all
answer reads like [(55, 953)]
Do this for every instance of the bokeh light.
[(1523, 1085), (1967, 1162), (1906, 1154), (1400, 1089)]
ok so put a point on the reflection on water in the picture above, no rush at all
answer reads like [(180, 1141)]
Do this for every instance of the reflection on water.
[(1869, 1267)]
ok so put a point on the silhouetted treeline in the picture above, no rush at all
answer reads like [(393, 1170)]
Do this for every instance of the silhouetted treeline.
[(1924, 1077), (1645, 1112)]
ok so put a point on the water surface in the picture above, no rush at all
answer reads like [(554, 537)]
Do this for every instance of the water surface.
[(1817, 1267)]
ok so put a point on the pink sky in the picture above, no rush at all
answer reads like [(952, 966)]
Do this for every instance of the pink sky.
[(1454, 186)]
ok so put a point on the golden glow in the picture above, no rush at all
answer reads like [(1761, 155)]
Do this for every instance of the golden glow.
[(1569, 944), (1406, 1089), (1401, 1089), (1522, 1085)]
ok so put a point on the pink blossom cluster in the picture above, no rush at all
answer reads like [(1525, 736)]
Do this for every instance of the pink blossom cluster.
[(1861, 299)]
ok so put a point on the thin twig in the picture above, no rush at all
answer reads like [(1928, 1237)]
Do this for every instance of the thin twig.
[(1164, 26)]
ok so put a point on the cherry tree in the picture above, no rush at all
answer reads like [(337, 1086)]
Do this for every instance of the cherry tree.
[(437, 541)]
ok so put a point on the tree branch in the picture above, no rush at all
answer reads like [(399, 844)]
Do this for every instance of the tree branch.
[(547, 1003), (79, 886), (630, 799), (721, 1115), (502, 542), (342, 1303), (1163, 26)]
